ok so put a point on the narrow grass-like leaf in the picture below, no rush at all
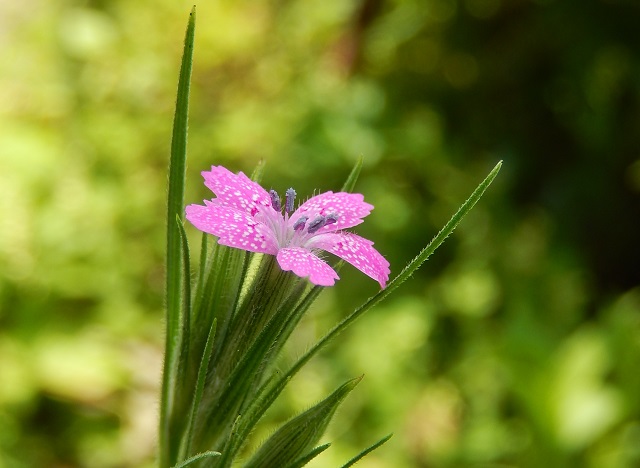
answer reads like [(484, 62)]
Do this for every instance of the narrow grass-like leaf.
[(183, 389), (175, 202), (204, 251), (350, 183), (196, 458), (257, 173), (204, 297), (303, 460), (407, 271), (298, 435), (186, 280), (366, 451), (272, 393), (227, 456), (222, 289), (197, 397)]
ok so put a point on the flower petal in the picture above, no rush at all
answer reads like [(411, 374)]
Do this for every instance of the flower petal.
[(304, 263), (356, 250), (350, 208), (236, 190), (233, 227)]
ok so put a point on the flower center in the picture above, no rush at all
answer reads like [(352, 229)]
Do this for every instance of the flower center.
[(301, 231), (315, 225)]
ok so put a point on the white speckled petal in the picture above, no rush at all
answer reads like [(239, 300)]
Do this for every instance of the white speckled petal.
[(356, 250), (305, 263), (349, 207), (236, 190), (234, 228)]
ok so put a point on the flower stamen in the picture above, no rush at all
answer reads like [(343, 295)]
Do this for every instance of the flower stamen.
[(316, 224), (331, 218), (299, 225), (275, 200), (290, 197)]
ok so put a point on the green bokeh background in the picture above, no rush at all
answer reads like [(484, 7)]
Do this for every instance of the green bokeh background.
[(517, 344)]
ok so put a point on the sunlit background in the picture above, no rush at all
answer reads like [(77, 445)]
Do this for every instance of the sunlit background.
[(517, 344)]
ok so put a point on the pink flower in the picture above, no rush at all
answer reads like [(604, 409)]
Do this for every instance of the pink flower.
[(245, 216)]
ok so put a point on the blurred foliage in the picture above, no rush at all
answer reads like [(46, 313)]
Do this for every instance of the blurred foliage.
[(517, 344)]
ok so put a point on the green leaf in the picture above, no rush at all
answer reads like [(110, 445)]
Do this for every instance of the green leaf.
[(204, 251), (196, 458), (186, 281), (408, 271), (182, 388), (258, 172), (303, 460), (298, 435), (168, 441), (350, 183), (217, 296), (197, 397), (366, 451)]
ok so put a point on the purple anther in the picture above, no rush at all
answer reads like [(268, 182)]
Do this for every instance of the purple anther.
[(290, 197), (299, 225), (275, 200), (316, 224), (331, 218)]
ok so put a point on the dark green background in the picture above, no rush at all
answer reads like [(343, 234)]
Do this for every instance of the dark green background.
[(517, 344)]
